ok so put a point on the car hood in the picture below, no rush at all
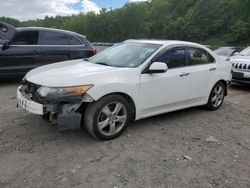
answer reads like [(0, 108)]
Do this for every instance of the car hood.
[(74, 73), (240, 59)]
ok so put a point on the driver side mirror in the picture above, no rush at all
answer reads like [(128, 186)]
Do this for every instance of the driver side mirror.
[(6, 45), (158, 67)]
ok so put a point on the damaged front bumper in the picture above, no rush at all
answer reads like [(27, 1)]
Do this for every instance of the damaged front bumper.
[(25, 103), (65, 115)]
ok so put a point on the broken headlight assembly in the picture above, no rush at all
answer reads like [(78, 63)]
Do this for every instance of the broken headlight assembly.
[(48, 92)]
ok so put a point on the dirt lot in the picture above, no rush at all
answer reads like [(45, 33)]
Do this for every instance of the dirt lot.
[(189, 148)]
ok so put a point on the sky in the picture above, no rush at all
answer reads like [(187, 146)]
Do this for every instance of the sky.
[(38, 9)]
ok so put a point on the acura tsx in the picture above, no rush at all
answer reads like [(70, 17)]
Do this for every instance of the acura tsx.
[(130, 81)]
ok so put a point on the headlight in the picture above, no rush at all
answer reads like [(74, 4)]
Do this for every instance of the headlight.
[(53, 92)]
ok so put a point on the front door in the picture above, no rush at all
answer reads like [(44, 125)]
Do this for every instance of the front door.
[(22, 55), (167, 91)]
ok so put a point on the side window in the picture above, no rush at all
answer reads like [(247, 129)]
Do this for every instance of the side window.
[(196, 56), (55, 38), (74, 41), (173, 58), (26, 38)]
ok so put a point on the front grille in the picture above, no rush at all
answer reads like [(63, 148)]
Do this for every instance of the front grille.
[(241, 66)]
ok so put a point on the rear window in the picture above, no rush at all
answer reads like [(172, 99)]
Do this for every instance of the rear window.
[(55, 38), (196, 56), (74, 41), (84, 40)]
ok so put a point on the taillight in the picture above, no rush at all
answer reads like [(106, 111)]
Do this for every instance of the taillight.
[(94, 51)]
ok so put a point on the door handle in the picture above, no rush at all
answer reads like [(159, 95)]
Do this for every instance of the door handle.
[(212, 69), (184, 74)]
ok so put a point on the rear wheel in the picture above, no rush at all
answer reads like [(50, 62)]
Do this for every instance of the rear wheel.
[(107, 118), (216, 97)]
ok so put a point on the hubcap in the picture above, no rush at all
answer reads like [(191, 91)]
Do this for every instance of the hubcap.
[(217, 96), (112, 118)]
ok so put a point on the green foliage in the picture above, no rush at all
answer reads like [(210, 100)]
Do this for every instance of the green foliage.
[(11, 21), (214, 22), (240, 32)]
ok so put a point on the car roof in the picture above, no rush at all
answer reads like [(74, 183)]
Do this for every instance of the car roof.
[(165, 42), (48, 29)]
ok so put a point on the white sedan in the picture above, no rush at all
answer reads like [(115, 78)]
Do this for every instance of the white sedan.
[(130, 81)]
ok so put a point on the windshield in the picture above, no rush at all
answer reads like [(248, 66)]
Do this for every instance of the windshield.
[(245, 52), (128, 54)]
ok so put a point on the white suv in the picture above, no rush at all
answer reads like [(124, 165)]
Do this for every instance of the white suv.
[(241, 66), (130, 81)]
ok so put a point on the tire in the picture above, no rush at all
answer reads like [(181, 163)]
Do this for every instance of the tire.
[(216, 96), (108, 117)]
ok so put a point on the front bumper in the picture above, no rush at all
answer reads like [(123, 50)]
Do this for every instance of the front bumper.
[(67, 118), (27, 104), (241, 77)]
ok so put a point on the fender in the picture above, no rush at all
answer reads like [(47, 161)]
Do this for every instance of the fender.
[(221, 75), (132, 90)]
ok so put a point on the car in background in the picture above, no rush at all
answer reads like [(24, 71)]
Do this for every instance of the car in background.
[(130, 81), (227, 52), (23, 49), (241, 66)]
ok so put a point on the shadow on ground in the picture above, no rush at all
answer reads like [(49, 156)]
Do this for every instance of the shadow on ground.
[(242, 87)]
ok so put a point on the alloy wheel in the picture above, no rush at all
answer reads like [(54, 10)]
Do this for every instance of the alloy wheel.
[(217, 96), (112, 118)]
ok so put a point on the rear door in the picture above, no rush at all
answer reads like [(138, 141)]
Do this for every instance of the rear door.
[(55, 47), (202, 68), (22, 54)]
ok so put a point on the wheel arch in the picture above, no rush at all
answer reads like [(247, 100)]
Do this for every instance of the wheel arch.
[(124, 95), (224, 83), (128, 98)]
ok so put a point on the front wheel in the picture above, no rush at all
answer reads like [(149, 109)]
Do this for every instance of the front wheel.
[(216, 97), (107, 118)]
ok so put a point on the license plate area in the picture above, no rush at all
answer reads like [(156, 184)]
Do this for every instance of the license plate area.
[(29, 105), (22, 102)]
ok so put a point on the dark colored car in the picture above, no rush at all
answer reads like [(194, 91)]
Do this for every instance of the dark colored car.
[(227, 52), (23, 49)]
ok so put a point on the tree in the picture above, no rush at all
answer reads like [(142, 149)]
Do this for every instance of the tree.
[(214, 22)]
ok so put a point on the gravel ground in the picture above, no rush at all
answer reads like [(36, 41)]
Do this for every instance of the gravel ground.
[(189, 148)]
